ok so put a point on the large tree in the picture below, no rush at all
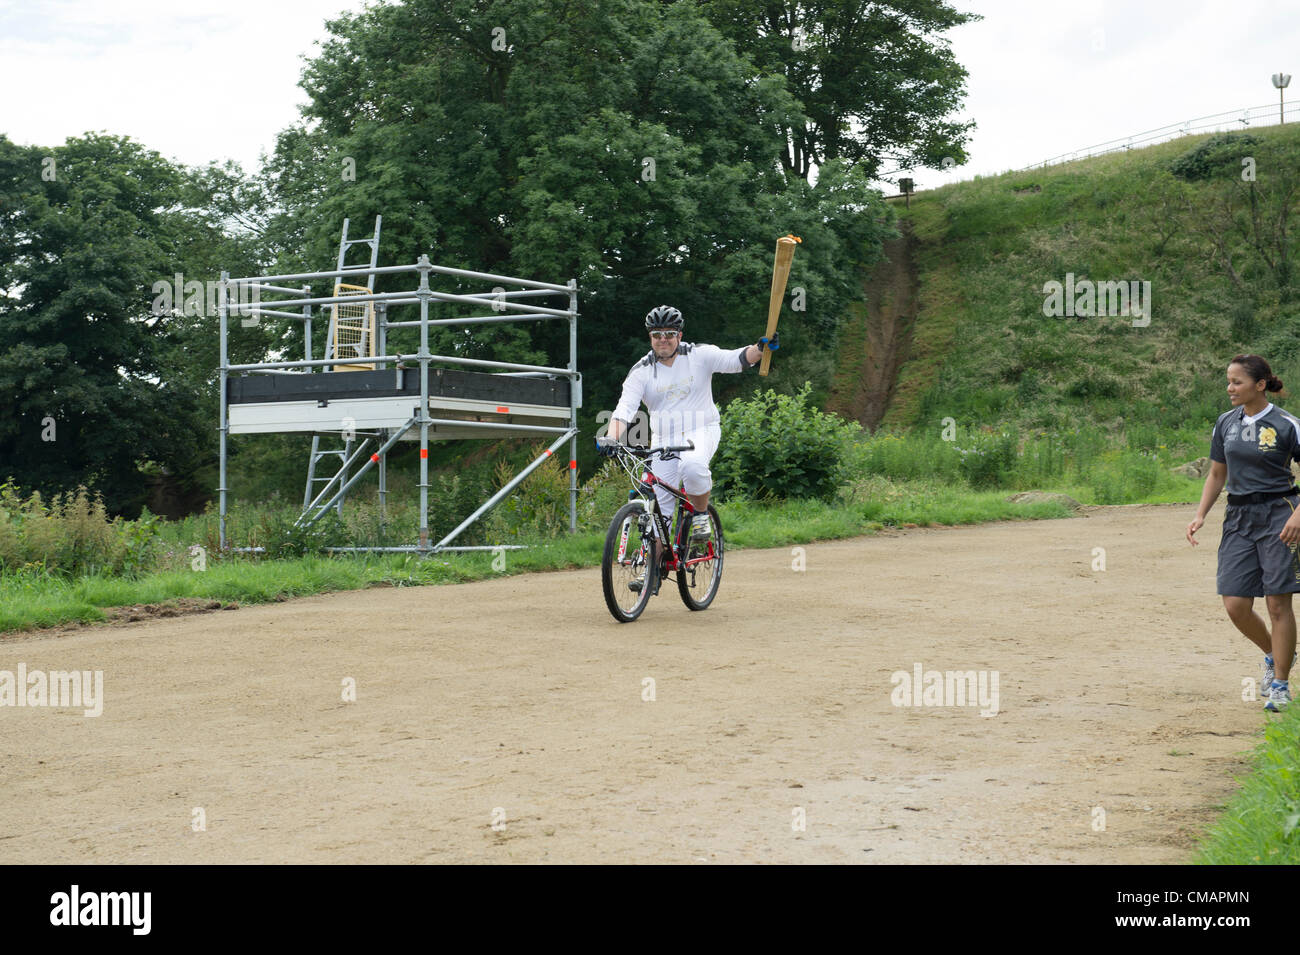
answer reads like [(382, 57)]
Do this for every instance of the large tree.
[(624, 143), (876, 79), (97, 383)]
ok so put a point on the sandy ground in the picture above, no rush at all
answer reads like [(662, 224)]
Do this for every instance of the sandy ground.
[(520, 702)]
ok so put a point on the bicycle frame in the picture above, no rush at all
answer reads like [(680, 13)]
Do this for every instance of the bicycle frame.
[(644, 485)]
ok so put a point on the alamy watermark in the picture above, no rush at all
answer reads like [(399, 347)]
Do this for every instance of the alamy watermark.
[(946, 688), (57, 689), (1088, 299), (197, 299), (129, 909), (637, 433)]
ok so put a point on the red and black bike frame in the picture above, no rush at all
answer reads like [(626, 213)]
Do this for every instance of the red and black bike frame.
[(675, 550)]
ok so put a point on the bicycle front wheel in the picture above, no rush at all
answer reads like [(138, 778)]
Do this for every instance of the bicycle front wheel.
[(627, 574), (700, 573)]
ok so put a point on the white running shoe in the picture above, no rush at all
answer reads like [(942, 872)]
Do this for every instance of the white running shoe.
[(1269, 675), (1278, 698)]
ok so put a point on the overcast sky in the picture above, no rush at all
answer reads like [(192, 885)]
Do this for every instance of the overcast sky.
[(202, 80)]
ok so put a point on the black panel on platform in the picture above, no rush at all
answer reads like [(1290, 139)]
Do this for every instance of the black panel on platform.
[(444, 382)]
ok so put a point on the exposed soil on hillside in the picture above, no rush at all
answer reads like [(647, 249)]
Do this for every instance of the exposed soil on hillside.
[(865, 379)]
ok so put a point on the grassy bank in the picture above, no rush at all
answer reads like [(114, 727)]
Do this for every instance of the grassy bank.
[(1261, 826), (1172, 214), (36, 598)]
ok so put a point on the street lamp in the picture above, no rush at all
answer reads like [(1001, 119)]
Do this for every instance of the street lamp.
[(1280, 80)]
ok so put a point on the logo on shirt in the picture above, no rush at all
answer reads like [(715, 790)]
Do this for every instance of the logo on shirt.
[(676, 391), (1267, 439)]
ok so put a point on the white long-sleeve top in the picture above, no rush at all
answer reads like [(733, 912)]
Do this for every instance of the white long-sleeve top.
[(679, 398)]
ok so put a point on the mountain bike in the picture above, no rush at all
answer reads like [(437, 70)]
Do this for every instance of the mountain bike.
[(629, 573)]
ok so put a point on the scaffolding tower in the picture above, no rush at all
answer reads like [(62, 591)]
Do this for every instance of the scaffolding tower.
[(372, 404)]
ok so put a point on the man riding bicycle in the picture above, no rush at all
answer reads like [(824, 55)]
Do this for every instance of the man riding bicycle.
[(675, 382)]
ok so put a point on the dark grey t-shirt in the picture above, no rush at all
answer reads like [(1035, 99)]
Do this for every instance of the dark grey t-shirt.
[(1258, 452)]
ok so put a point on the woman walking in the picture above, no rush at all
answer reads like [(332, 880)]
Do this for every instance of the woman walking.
[(1251, 449)]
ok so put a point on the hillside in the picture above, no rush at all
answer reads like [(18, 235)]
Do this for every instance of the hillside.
[(1181, 215)]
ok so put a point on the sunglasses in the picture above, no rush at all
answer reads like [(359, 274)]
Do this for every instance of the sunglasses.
[(661, 335)]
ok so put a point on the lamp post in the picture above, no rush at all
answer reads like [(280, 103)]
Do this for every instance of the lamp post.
[(1281, 80)]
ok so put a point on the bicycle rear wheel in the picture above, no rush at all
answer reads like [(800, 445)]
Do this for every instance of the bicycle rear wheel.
[(701, 572), (627, 574)]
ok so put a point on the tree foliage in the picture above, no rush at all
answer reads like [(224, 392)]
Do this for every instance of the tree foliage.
[(651, 151), (876, 81), (101, 386), (627, 144), (78, 358)]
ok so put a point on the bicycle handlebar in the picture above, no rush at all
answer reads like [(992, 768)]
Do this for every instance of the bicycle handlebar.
[(662, 449)]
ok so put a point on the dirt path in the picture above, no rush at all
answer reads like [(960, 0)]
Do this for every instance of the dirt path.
[(522, 694), (862, 392)]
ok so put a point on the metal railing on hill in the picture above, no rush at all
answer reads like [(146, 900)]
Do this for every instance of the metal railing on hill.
[(1270, 115)]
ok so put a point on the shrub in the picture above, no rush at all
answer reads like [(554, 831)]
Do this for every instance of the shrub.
[(70, 535), (1131, 476), (1085, 446), (777, 446), (990, 461), (452, 498), (279, 534), (537, 507), (139, 543), (1094, 384), (1212, 156), (1043, 459)]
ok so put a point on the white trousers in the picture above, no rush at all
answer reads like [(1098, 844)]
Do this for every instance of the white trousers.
[(691, 471)]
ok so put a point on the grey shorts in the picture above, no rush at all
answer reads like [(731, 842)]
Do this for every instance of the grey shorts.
[(1253, 561)]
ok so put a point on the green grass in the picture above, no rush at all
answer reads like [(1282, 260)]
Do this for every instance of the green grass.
[(913, 479), (1084, 463), (1261, 826), (32, 599)]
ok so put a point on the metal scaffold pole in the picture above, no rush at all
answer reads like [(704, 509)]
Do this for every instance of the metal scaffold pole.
[(225, 423), (306, 325), (573, 405), (423, 294), (381, 346), (499, 495)]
